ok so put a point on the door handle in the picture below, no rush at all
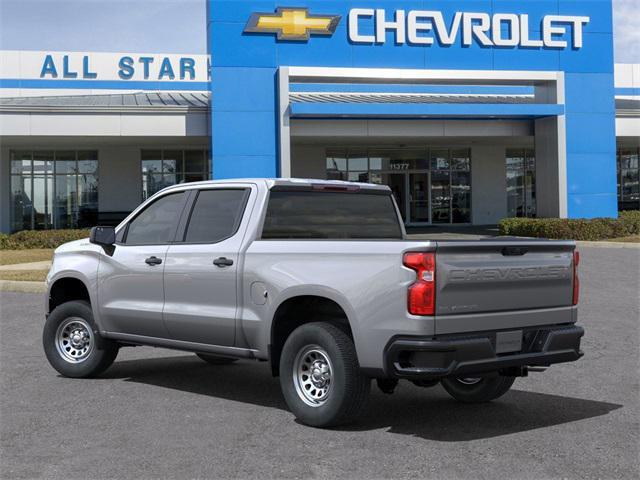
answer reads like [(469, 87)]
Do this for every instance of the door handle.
[(223, 262), (153, 261)]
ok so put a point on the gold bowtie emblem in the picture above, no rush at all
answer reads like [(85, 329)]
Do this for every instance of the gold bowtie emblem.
[(292, 23)]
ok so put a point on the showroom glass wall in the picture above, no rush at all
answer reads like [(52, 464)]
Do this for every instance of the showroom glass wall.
[(628, 178), (430, 185), (163, 168), (53, 189), (521, 182)]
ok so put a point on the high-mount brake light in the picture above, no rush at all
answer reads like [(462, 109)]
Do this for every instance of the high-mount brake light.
[(334, 188), (421, 296), (576, 280)]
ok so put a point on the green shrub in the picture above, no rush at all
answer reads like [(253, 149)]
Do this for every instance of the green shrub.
[(627, 223), (4, 241), (27, 239)]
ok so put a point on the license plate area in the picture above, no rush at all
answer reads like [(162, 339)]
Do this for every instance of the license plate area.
[(510, 341)]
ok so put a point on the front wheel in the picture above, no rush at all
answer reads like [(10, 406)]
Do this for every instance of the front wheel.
[(477, 389), (72, 343), (320, 376)]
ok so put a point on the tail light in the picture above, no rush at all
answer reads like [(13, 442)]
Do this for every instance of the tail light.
[(576, 280), (422, 293)]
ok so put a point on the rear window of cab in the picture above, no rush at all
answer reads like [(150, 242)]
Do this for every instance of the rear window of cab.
[(331, 215)]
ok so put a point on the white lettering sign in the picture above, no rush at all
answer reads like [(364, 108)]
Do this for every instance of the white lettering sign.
[(425, 27)]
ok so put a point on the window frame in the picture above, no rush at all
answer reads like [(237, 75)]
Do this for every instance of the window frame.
[(50, 192), (620, 177), (207, 171), (187, 212), (122, 241), (529, 203)]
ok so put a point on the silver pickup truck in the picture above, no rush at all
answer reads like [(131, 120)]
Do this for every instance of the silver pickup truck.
[(318, 279)]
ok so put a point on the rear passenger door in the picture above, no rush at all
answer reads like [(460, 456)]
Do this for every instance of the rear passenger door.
[(201, 269)]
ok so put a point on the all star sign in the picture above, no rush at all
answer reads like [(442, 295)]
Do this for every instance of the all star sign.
[(103, 66), (424, 27)]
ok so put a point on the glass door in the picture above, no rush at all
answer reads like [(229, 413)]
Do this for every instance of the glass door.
[(397, 184), (419, 198)]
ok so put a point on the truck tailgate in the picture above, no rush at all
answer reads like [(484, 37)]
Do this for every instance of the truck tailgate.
[(502, 284)]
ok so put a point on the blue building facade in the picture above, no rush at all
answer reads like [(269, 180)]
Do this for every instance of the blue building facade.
[(470, 111), (554, 57)]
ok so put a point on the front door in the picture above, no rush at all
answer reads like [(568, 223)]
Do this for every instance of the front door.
[(130, 280), (411, 192), (202, 267), (397, 182)]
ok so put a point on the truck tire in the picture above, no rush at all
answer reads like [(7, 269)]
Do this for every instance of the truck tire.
[(477, 390), (215, 359), (320, 376), (72, 343)]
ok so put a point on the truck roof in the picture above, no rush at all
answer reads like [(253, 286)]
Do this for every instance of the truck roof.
[(286, 182)]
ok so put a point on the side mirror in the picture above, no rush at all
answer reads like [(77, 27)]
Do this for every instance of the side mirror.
[(103, 236)]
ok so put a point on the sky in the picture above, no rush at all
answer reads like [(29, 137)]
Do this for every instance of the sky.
[(173, 26)]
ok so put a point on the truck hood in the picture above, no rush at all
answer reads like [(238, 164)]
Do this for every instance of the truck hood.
[(82, 245)]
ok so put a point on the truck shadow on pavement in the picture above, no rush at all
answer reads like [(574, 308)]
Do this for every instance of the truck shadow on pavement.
[(427, 413)]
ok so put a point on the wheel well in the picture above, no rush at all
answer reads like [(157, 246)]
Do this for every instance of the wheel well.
[(65, 290), (297, 311)]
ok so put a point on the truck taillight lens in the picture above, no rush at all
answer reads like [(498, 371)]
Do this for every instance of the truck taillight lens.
[(422, 293), (576, 280)]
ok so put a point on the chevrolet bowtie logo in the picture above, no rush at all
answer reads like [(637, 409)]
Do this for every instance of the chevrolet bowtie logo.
[(292, 24)]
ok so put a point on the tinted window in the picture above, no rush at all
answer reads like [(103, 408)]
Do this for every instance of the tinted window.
[(330, 215), (156, 224), (216, 215)]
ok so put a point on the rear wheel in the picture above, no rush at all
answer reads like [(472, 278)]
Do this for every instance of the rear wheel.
[(320, 376), (477, 389), (72, 343), (215, 359)]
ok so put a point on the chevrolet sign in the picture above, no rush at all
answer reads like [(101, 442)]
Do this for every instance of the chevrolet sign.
[(422, 27), (292, 24), (425, 27)]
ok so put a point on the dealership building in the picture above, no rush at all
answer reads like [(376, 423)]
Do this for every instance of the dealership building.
[(469, 111)]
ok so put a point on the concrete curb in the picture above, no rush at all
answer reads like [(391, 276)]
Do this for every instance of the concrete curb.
[(22, 287), (584, 243)]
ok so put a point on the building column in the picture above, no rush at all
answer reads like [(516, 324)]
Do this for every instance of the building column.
[(5, 191), (551, 169), (119, 179), (488, 184)]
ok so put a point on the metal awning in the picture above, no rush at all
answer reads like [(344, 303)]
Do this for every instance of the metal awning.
[(200, 101), (149, 102), (416, 98)]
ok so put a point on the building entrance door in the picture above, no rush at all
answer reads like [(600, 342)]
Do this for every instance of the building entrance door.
[(419, 198), (411, 191), (397, 182)]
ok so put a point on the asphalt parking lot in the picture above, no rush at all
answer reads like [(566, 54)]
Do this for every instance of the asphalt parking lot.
[(162, 414)]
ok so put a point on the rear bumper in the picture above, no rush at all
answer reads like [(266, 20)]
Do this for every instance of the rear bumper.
[(429, 358)]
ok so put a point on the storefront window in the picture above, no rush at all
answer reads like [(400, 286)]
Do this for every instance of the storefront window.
[(53, 189), (163, 168), (429, 185), (521, 182), (628, 178)]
